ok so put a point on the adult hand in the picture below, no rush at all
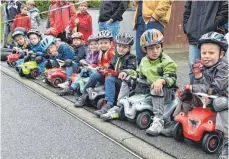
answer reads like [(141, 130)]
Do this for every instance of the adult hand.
[(110, 21), (122, 75), (157, 86)]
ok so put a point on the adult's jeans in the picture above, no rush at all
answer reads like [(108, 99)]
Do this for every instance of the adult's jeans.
[(194, 53), (113, 27)]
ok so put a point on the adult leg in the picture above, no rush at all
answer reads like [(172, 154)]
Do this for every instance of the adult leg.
[(155, 25), (139, 31), (194, 53)]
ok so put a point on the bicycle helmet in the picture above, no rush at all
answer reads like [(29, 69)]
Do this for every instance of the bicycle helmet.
[(51, 31), (92, 38), (46, 42), (214, 37), (16, 33), (34, 31), (151, 37), (77, 35), (20, 29), (105, 34), (124, 38)]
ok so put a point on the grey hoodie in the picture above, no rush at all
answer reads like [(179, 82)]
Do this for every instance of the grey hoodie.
[(215, 77), (34, 17)]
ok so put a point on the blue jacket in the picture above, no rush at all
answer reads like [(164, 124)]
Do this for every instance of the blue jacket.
[(80, 53), (65, 52), (37, 49)]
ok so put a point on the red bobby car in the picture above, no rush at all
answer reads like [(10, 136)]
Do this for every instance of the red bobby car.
[(12, 58), (198, 125), (56, 76)]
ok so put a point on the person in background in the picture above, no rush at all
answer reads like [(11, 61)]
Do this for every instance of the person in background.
[(34, 14)]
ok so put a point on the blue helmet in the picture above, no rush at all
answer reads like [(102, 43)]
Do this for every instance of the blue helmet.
[(46, 42)]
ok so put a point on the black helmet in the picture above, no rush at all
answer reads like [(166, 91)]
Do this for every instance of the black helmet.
[(214, 37), (33, 31), (16, 33), (124, 38), (105, 34)]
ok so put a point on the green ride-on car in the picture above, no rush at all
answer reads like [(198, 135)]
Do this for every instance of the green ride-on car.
[(29, 69)]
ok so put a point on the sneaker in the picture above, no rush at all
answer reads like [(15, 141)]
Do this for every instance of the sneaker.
[(64, 85), (66, 91), (156, 127), (104, 110), (224, 153), (112, 113), (41, 76), (80, 101), (168, 132)]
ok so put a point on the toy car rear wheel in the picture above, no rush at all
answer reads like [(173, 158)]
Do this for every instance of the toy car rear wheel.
[(47, 81), (87, 101), (211, 142), (55, 81), (101, 102), (21, 74), (143, 120), (13, 63), (34, 73), (178, 132)]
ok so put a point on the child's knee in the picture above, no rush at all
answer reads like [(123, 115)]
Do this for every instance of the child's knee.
[(220, 104)]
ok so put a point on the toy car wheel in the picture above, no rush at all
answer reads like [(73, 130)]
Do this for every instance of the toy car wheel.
[(143, 119), (21, 74), (178, 132), (55, 81), (34, 73), (47, 81), (101, 102), (211, 142), (13, 63), (122, 114), (87, 101)]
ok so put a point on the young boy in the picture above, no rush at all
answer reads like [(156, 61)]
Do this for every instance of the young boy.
[(80, 53), (107, 52), (211, 79), (160, 71), (92, 58), (82, 22), (22, 19), (124, 63), (34, 14)]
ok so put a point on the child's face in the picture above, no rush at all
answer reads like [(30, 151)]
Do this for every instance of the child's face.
[(29, 6), (123, 49), (20, 40), (52, 49), (24, 10), (210, 54), (34, 39), (154, 51), (77, 42), (83, 7), (104, 44), (93, 46)]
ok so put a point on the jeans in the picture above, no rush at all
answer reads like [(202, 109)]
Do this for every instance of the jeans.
[(140, 29), (41, 66), (69, 70), (194, 53), (113, 27), (112, 85), (6, 33), (93, 79)]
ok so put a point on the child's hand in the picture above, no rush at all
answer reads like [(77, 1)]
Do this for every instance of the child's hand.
[(122, 75), (157, 86), (186, 93), (197, 68)]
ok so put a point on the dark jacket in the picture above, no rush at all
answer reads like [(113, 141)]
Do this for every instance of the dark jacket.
[(126, 62), (80, 53), (214, 78), (12, 9), (201, 17), (64, 52), (112, 9)]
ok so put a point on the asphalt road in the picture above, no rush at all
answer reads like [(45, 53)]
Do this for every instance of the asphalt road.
[(34, 128)]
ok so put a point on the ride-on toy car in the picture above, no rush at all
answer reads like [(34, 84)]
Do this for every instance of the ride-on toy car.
[(12, 58), (56, 76), (96, 96), (198, 125), (138, 107), (29, 69)]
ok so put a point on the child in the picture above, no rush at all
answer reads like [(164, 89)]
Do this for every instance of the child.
[(22, 19), (160, 71), (57, 49), (92, 57), (82, 22), (80, 53), (212, 79), (107, 52), (123, 63), (34, 14)]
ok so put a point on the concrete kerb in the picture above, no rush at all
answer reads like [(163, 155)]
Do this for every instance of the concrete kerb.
[(135, 144)]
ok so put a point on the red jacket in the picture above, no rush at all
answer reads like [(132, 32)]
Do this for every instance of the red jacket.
[(61, 17), (84, 26), (104, 59), (22, 20)]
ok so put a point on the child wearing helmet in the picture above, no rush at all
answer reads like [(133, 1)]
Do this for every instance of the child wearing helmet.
[(211, 77), (124, 63), (80, 53), (107, 52), (92, 58)]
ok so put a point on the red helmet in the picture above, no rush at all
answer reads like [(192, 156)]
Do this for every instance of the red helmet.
[(51, 31)]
